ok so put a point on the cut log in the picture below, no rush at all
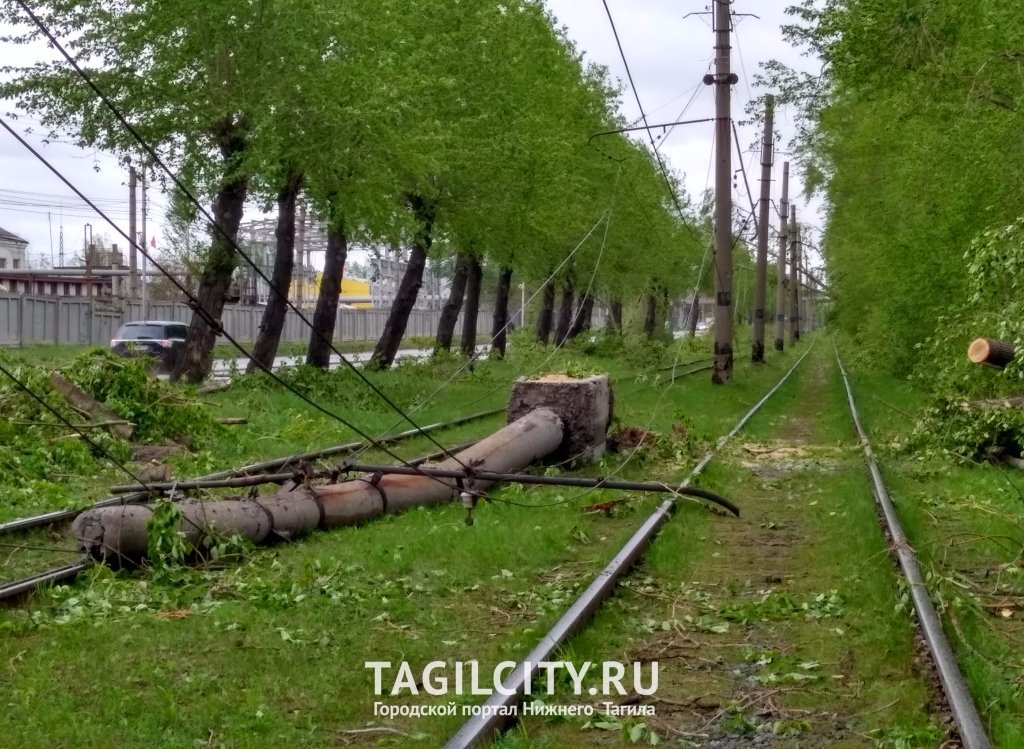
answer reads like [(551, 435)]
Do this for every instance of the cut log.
[(214, 388), (990, 352), (232, 420), (1015, 462), (1016, 401), (82, 401)]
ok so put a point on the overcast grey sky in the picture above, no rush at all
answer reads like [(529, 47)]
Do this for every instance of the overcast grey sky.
[(667, 53)]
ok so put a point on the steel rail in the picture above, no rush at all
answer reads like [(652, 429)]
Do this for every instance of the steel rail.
[(55, 575), (66, 573), (57, 516), (965, 713), (493, 718)]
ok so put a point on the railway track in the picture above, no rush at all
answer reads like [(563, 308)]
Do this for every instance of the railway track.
[(958, 696), (489, 722), (493, 718)]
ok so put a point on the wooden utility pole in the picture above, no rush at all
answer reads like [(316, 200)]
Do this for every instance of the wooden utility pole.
[(780, 292), (723, 79), (761, 279), (133, 253), (794, 278)]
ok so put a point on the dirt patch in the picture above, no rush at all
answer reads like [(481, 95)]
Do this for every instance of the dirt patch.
[(628, 438), (776, 460)]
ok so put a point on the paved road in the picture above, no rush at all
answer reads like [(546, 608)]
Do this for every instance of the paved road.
[(222, 368)]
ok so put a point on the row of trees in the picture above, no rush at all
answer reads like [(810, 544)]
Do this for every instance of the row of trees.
[(450, 129), (915, 135)]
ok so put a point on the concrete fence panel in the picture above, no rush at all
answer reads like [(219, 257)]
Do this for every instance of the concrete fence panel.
[(26, 320)]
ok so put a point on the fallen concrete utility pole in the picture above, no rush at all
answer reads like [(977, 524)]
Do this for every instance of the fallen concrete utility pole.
[(121, 533), (59, 516), (260, 479), (575, 481), (552, 417)]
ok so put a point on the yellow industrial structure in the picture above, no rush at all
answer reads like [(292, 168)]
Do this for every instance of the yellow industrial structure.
[(306, 287)]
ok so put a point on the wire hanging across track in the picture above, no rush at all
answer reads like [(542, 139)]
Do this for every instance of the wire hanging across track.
[(490, 721)]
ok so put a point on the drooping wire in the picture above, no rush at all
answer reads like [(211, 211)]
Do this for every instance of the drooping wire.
[(682, 113), (643, 116), (606, 218), (216, 226), (188, 294), (600, 254)]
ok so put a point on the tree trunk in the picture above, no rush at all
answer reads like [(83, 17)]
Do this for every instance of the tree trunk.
[(405, 298), (583, 319), (472, 309), (565, 314), (325, 316), (221, 260), (546, 314), (615, 316), (499, 328), (694, 314), (452, 307), (265, 349), (651, 316), (991, 352), (82, 402)]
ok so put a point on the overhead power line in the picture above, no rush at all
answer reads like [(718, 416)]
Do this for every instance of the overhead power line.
[(213, 324), (643, 117), (198, 307)]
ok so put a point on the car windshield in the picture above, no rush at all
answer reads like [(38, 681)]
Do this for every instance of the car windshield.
[(140, 332)]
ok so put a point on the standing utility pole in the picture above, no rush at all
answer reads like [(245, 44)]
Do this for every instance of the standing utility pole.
[(145, 275), (794, 278), (780, 292), (722, 80), (133, 252), (761, 279)]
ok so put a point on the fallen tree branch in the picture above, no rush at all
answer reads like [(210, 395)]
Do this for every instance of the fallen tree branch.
[(82, 401), (1016, 401)]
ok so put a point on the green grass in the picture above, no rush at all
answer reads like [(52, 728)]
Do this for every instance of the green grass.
[(731, 595), (270, 650)]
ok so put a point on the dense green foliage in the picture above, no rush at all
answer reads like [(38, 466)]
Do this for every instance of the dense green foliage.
[(41, 458), (478, 114), (914, 135)]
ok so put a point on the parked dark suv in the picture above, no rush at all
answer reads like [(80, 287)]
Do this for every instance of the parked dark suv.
[(162, 340)]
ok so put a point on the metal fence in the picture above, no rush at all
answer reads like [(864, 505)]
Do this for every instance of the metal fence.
[(26, 320)]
